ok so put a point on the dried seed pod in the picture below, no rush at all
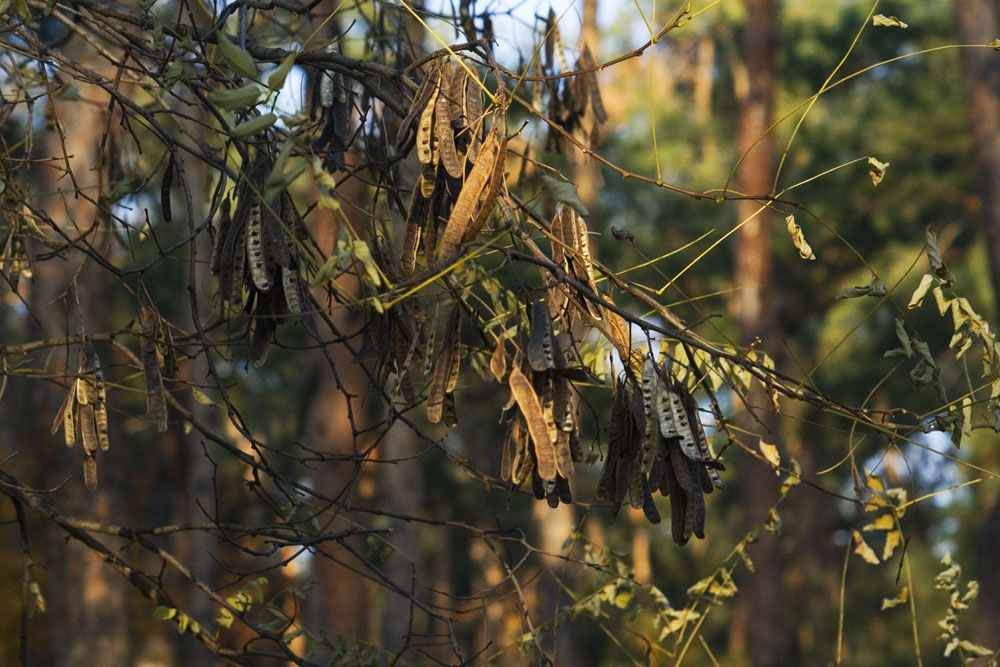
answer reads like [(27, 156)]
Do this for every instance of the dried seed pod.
[(540, 356), (636, 481), (290, 288), (256, 248), (425, 130), (498, 360), (444, 368), (590, 82), (648, 506), (419, 207), (446, 111), (531, 408), (448, 413), (165, 184), (583, 265), (651, 436), (473, 112), (683, 427), (424, 92), (708, 470), (90, 471), (149, 320), (465, 206), (564, 454), (65, 408)]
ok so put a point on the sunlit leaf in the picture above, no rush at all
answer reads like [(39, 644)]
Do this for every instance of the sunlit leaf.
[(770, 453), (889, 603), (877, 171), (917, 299), (863, 550), (884, 522), (887, 21), (892, 540), (363, 254)]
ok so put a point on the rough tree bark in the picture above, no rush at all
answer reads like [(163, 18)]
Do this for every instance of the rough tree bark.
[(767, 632)]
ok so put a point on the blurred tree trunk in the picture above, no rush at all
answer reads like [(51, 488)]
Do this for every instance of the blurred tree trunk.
[(979, 23), (768, 637)]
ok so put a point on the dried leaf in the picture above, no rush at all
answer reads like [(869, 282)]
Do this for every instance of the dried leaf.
[(877, 171), (770, 453), (887, 21), (889, 603), (917, 299), (934, 257), (863, 550), (805, 252)]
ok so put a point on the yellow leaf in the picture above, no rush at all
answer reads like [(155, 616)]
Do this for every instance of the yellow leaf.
[(770, 453), (360, 250), (896, 601), (805, 252), (892, 540), (884, 522), (888, 21), (918, 294), (864, 550)]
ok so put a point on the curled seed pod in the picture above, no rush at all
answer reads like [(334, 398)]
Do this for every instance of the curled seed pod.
[(648, 506)]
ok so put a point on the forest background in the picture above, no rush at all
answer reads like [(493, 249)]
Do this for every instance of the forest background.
[(796, 204)]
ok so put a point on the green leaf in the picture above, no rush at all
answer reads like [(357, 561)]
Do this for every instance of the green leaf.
[(276, 79), (249, 128), (565, 192), (917, 299), (234, 98), (241, 61), (173, 74), (888, 21)]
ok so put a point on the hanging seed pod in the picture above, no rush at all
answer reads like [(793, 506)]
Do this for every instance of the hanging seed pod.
[(425, 130), (648, 506), (465, 206), (540, 356), (156, 402), (424, 92), (419, 207), (445, 372), (590, 83), (445, 112), (256, 255), (709, 466), (531, 408), (650, 440), (498, 360)]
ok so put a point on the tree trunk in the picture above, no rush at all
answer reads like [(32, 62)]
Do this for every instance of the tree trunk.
[(979, 23), (768, 637)]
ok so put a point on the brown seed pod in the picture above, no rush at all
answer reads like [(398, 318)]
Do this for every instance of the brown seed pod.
[(468, 198), (426, 140), (156, 402), (443, 368), (498, 360), (427, 87), (445, 112), (540, 355), (531, 408)]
